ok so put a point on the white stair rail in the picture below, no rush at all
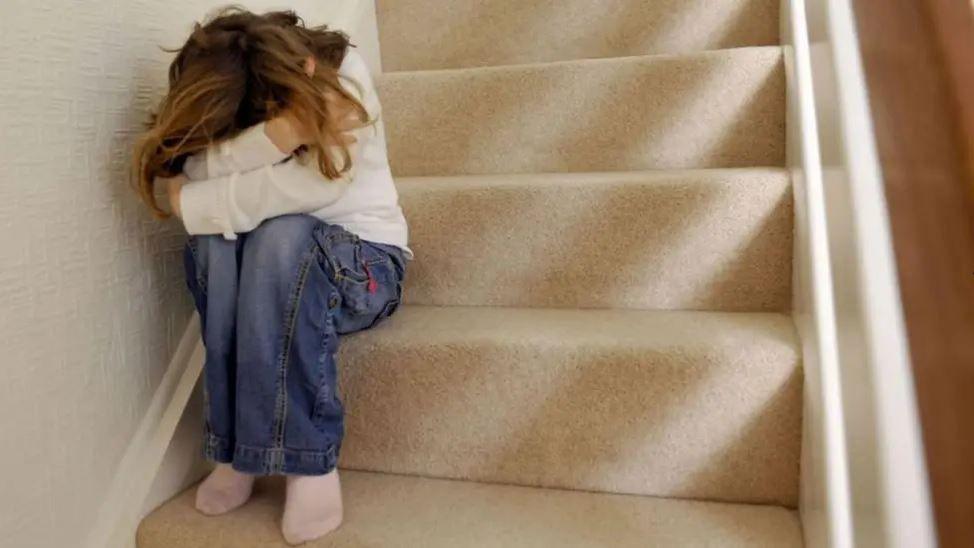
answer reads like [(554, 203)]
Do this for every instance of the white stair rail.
[(121, 509), (864, 477), (826, 519)]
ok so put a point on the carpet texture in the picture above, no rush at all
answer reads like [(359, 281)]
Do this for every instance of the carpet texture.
[(393, 511), (685, 404), (433, 34), (712, 109), (699, 240)]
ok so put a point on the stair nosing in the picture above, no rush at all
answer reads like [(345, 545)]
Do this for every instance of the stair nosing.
[(561, 489), (725, 52), (649, 176)]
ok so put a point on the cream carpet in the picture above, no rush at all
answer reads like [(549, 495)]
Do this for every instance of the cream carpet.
[(597, 312)]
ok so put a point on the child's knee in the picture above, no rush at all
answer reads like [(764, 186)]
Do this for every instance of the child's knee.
[(280, 241), (204, 251)]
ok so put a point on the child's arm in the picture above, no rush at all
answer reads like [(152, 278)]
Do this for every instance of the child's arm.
[(246, 186), (264, 144), (239, 202), (272, 142)]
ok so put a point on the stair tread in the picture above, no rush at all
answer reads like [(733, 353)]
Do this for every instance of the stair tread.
[(418, 34), (712, 239), (703, 405), (700, 110), (389, 510)]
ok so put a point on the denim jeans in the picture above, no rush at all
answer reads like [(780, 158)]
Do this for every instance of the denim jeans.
[(273, 304)]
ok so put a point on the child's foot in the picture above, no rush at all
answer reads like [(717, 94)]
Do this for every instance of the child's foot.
[(223, 490), (313, 507)]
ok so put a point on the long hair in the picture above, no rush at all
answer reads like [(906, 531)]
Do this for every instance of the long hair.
[(238, 69)]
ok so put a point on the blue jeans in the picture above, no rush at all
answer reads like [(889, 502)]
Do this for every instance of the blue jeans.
[(273, 304)]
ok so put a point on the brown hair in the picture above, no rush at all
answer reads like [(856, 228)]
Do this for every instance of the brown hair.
[(239, 69)]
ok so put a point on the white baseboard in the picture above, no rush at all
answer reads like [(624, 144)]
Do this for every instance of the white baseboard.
[(120, 511), (183, 463)]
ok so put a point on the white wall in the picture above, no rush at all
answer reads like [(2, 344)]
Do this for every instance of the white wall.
[(364, 30), (91, 288)]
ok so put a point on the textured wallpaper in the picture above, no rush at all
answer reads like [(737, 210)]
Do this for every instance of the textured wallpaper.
[(91, 292)]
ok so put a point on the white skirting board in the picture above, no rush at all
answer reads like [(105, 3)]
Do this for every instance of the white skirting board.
[(183, 464), (120, 511)]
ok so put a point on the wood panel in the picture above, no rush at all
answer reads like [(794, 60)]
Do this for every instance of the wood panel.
[(918, 55)]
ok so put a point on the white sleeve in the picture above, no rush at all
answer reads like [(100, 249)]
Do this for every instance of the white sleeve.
[(355, 77), (239, 202), (249, 150)]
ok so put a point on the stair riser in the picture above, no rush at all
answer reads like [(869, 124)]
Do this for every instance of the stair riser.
[(432, 34), (720, 109), (698, 240), (712, 419)]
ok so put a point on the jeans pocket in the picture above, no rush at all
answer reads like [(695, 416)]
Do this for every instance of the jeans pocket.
[(345, 259)]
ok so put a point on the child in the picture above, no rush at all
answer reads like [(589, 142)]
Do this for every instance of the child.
[(272, 150)]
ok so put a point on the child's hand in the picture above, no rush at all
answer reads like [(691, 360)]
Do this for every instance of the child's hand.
[(343, 115), (173, 186), (288, 132)]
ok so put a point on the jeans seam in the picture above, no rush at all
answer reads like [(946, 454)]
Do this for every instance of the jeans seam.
[(280, 411), (325, 383), (197, 271), (207, 412)]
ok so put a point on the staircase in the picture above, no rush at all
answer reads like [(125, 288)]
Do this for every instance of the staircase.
[(595, 348)]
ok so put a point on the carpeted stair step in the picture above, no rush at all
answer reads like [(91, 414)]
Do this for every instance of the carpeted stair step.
[(434, 34), (682, 404), (395, 511), (700, 239), (703, 110)]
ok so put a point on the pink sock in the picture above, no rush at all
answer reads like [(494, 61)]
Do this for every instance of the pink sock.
[(313, 507), (223, 490)]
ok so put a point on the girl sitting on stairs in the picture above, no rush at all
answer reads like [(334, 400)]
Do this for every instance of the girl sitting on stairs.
[(271, 148)]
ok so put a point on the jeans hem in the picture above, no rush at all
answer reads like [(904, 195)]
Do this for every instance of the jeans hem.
[(264, 461), (217, 449)]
